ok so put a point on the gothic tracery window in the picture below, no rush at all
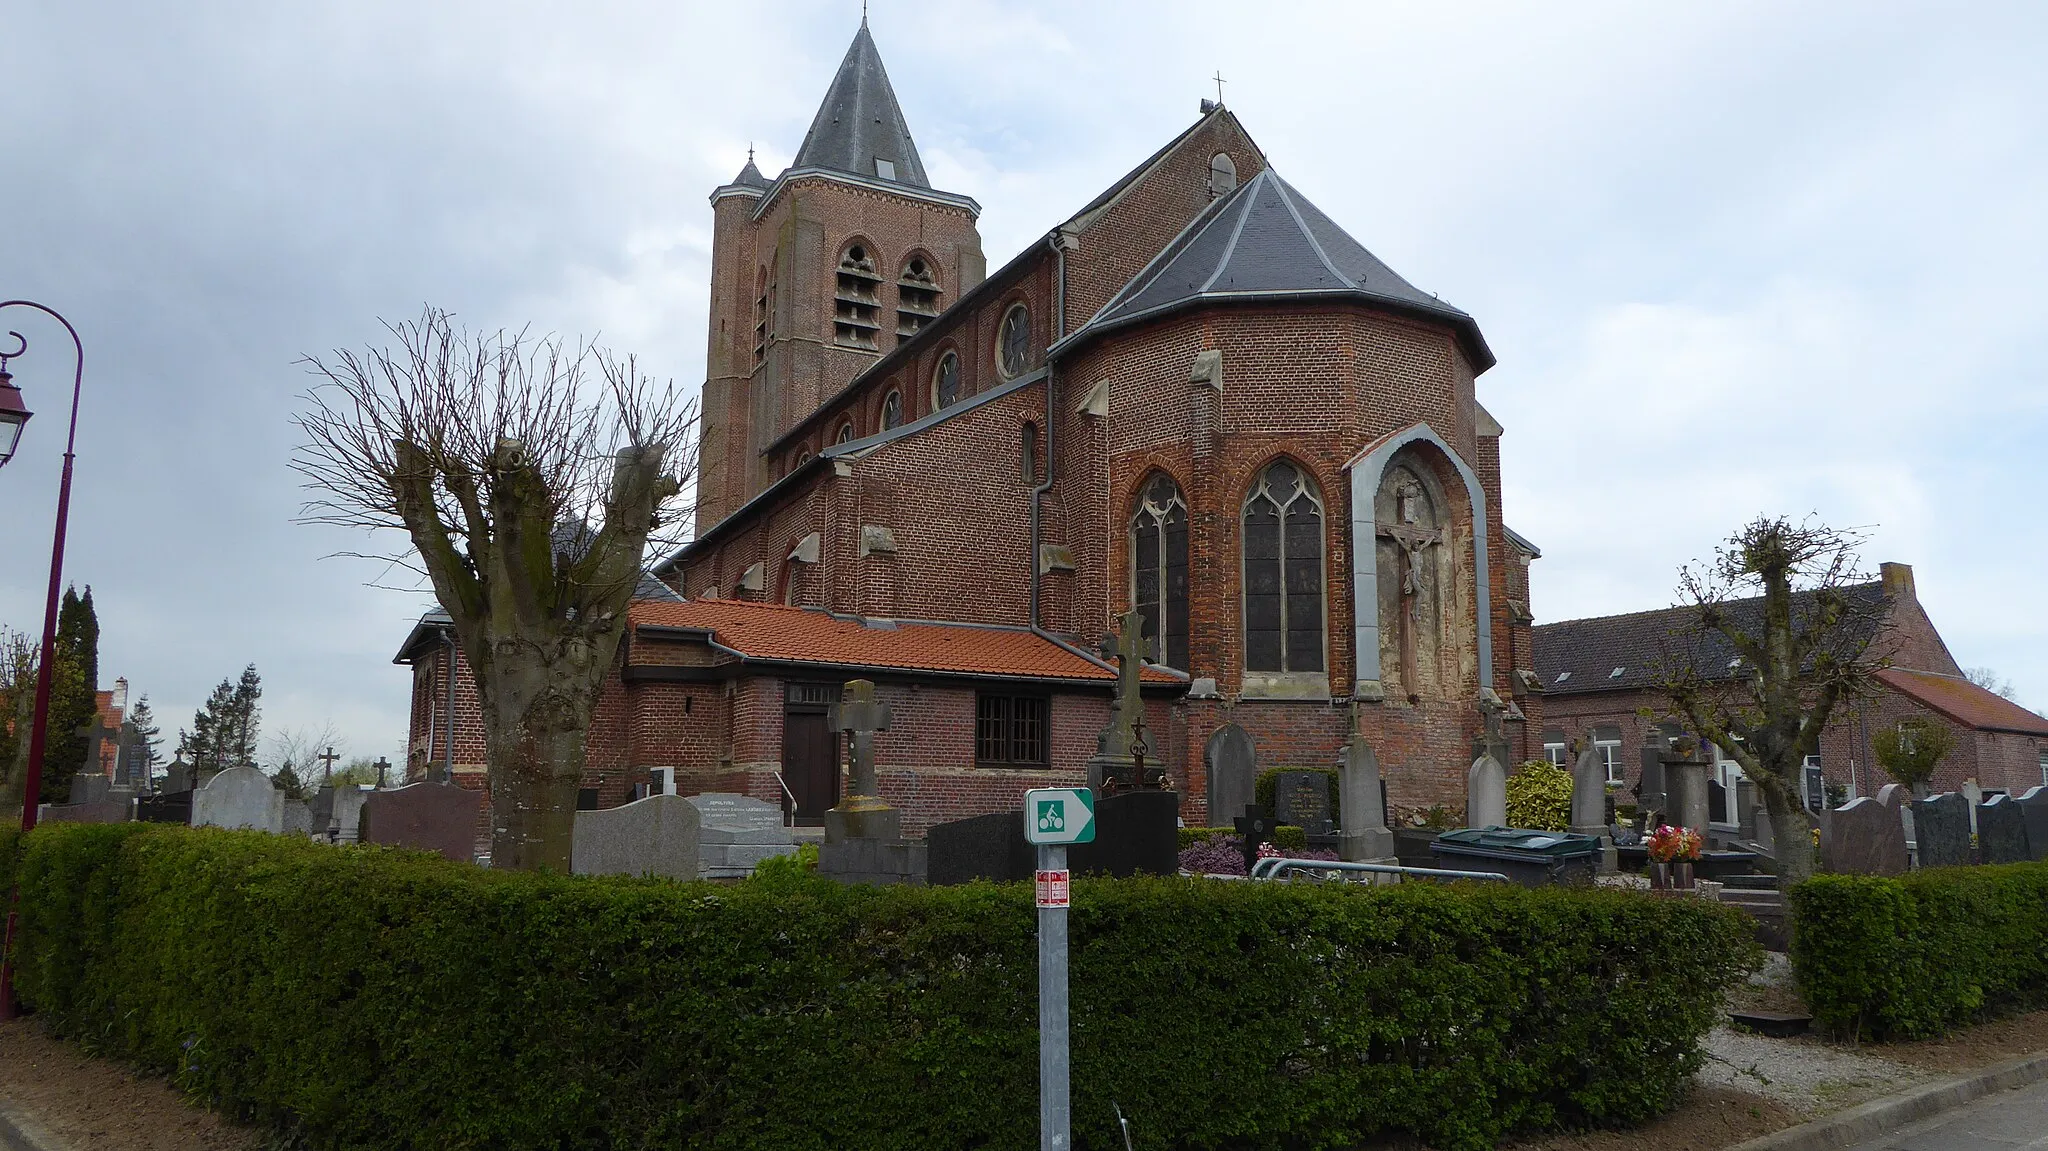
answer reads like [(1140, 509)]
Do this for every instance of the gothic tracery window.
[(892, 410), (1013, 342), (946, 381), (1159, 569), (1283, 572)]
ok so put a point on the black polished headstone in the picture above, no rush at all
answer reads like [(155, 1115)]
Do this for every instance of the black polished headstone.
[(2002, 831), (1136, 833), (2034, 809), (1254, 827), (1941, 830), (174, 807), (983, 847), (1302, 799)]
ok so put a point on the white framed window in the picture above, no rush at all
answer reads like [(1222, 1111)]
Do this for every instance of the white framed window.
[(2044, 767), (1607, 745), (1556, 749)]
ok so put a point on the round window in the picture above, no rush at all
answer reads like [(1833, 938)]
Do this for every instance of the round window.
[(946, 380), (1013, 343)]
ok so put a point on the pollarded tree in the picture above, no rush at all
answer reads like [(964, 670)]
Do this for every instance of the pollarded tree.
[(480, 446), (1911, 749), (1781, 630)]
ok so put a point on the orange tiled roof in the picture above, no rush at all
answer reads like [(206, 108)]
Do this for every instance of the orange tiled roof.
[(1964, 702), (780, 634)]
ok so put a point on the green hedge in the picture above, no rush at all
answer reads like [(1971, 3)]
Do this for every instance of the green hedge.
[(1918, 955), (1286, 837), (366, 998)]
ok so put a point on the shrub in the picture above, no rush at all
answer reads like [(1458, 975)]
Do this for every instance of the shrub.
[(1286, 837), (362, 997), (1540, 797), (1265, 790), (1224, 854), (1918, 955)]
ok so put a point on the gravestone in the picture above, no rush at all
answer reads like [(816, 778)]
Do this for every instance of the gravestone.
[(735, 832), (1233, 764), (1136, 833), (1651, 799), (652, 836), (298, 817), (321, 811), (863, 836), (1254, 827), (1973, 796), (89, 788), (984, 847), (1302, 799), (1745, 809), (1685, 792), (1589, 803), (2002, 831), (239, 797), (1486, 793), (348, 813), (2034, 808), (174, 807), (1866, 837), (1941, 827), (177, 777), (439, 817), (1114, 766), (1364, 837), (119, 809)]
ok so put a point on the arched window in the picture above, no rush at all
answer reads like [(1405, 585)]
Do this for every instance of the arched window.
[(1029, 454), (1159, 569), (892, 410), (856, 299), (803, 456), (1222, 174), (946, 381), (845, 432), (917, 296), (1013, 342), (761, 319), (1283, 572)]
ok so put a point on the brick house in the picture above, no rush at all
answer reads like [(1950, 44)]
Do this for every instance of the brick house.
[(1197, 396), (1597, 677)]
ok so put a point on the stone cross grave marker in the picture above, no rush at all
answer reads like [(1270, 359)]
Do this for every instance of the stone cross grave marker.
[(862, 814), (428, 816), (1112, 767), (1233, 763), (1865, 837), (327, 761), (735, 832), (2034, 808), (239, 797), (2002, 831), (1254, 827), (1941, 828), (1302, 799), (653, 836)]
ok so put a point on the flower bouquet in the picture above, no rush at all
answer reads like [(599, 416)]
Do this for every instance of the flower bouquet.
[(1672, 851)]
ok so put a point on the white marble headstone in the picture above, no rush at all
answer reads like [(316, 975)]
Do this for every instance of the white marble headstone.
[(239, 797)]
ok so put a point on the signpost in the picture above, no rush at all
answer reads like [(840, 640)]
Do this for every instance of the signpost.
[(1054, 818)]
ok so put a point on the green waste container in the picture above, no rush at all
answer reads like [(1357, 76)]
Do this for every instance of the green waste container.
[(1530, 858)]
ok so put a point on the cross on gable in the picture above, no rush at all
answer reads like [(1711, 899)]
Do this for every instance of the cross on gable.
[(858, 711)]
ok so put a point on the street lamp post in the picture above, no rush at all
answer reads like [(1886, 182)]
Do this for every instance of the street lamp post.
[(12, 418)]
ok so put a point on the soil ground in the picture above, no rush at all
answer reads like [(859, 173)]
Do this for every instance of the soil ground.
[(101, 1104)]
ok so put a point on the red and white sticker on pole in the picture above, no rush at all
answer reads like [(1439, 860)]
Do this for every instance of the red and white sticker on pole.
[(1053, 887)]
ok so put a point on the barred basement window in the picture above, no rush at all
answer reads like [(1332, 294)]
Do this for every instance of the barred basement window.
[(1013, 342), (946, 381), (1283, 572), (1159, 569), (917, 297), (856, 300), (1009, 730)]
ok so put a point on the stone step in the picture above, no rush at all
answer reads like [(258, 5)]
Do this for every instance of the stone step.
[(1750, 882)]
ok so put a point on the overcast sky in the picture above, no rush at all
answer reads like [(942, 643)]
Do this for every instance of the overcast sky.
[(1734, 258)]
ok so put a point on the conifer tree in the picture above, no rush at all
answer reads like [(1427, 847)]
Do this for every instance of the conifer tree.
[(146, 739), (244, 720), (73, 685)]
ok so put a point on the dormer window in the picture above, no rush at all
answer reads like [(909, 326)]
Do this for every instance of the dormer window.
[(1616, 673), (1561, 677), (856, 299), (886, 169)]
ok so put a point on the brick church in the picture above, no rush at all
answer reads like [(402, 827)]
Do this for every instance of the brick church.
[(1197, 395)]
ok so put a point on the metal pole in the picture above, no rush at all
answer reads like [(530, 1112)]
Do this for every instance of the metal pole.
[(1055, 1124), (32, 782)]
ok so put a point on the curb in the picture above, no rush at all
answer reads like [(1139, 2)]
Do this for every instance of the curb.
[(1886, 1116), (19, 1132)]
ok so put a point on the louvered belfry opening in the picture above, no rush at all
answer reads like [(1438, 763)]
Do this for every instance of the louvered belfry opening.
[(857, 300)]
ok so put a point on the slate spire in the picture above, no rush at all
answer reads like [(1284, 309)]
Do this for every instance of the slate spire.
[(860, 128)]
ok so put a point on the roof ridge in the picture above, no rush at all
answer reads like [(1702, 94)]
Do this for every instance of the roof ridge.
[(1309, 234), (1686, 606), (1244, 212)]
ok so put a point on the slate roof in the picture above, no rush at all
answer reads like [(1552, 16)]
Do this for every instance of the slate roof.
[(1964, 702), (1267, 241), (771, 633), (750, 176), (860, 122), (1590, 650)]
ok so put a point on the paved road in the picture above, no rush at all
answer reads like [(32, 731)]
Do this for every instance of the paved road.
[(2015, 1120)]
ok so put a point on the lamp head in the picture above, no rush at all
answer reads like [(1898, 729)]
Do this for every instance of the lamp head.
[(13, 414)]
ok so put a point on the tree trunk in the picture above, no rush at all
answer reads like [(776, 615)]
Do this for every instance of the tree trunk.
[(1792, 827), (537, 755)]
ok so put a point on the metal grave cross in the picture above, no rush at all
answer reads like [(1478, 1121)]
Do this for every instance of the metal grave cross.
[(860, 715), (327, 762)]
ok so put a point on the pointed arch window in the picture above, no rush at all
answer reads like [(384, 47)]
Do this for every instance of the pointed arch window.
[(1159, 569), (1283, 572), (946, 381), (892, 410)]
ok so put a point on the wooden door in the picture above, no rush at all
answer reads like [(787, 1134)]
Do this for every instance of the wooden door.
[(810, 759)]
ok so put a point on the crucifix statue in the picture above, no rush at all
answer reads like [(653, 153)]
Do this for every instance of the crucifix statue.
[(1113, 767), (1411, 537), (862, 814)]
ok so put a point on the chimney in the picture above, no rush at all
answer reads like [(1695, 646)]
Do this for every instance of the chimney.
[(120, 700), (1898, 580)]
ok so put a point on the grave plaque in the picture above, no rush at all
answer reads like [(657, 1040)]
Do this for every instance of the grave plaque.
[(653, 836), (1136, 833), (1867, 837), (1941, 827), (239, 797), (2034, 809), (1233, 766), (175, 807), (1302, 799), (983, 847), (2002, 831), (298, 817), (438, 817), (735, 832)]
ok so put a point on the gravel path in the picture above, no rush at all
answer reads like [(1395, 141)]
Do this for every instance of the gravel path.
[(1804, 1074)]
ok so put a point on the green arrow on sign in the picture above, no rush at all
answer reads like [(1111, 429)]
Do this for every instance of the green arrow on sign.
[(1059, 815)]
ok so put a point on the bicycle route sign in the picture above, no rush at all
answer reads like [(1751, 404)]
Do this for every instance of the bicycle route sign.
[(1059, 815)]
